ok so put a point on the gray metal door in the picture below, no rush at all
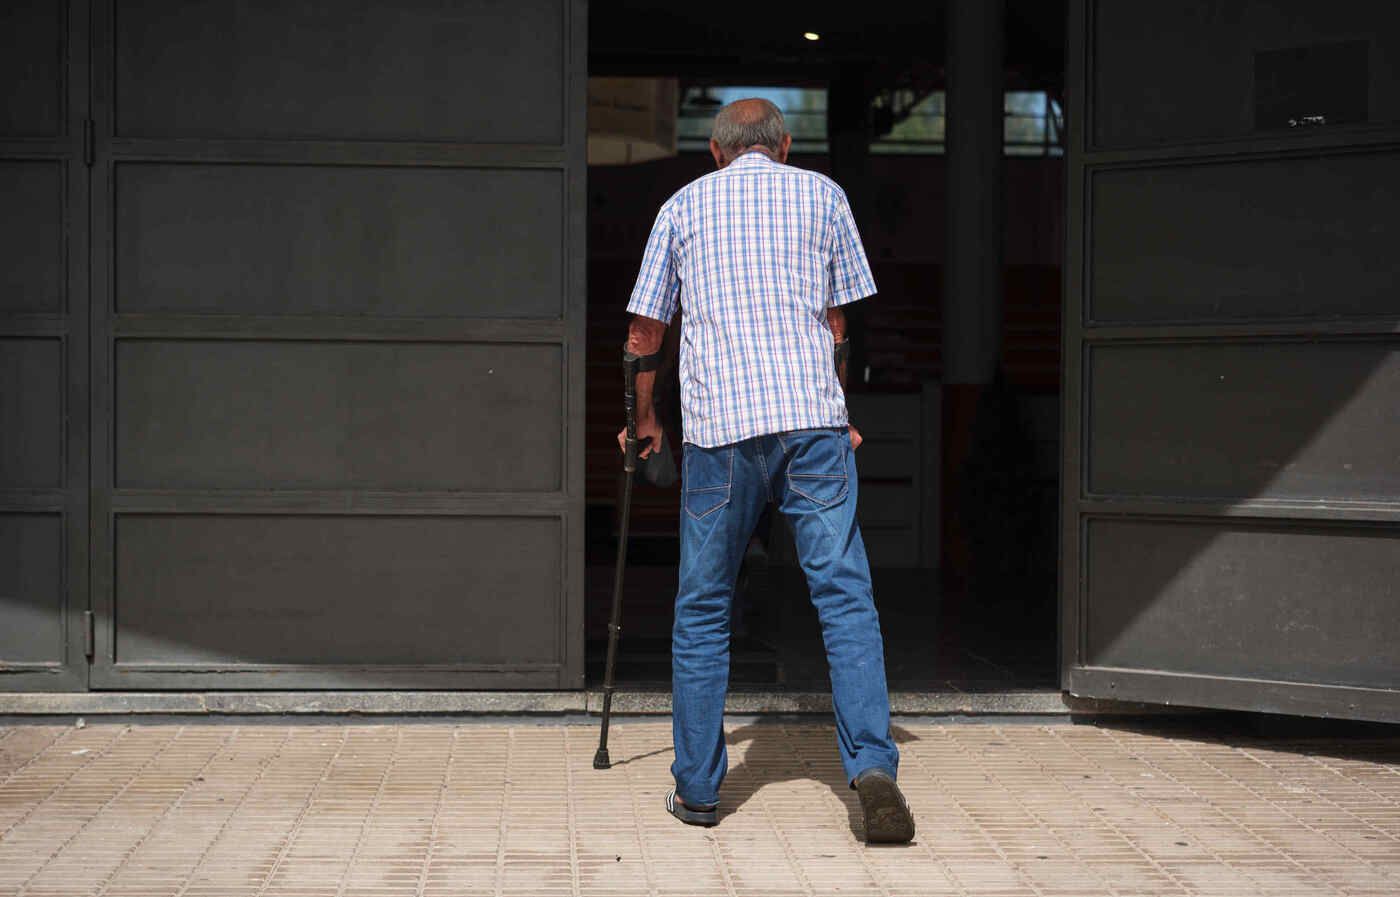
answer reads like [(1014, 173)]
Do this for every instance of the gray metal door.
[(337, 344), (43, 346), (1232, 343)]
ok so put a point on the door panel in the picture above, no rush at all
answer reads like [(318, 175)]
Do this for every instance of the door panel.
[(381, 241), (1239, 599), (1231, 503), (35, 37), (338, 415), (1263, 420), (1143, 94), (484, 71), (33, 226), (339, 345), (31, 412), (32, 583), (43, 346), (349, 594), (1248, 239)]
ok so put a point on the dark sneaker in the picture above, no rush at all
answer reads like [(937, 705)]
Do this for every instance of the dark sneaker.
[(678, 808), (887, 816)]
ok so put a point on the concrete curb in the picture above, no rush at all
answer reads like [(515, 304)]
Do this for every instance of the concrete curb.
[(642, 703)]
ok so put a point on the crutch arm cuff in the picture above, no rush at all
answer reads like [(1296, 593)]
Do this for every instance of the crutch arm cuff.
[(644, 363)]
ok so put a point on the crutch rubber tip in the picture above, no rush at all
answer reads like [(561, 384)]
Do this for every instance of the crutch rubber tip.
[(601, 760)]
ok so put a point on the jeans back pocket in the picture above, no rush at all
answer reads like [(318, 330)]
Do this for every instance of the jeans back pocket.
[(817, 469), (707, 476)]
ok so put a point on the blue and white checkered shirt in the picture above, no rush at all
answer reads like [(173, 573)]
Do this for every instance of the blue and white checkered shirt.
[(755, 253)]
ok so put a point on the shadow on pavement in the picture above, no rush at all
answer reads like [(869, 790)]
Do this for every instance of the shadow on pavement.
[(1335, 738), (771, 757)]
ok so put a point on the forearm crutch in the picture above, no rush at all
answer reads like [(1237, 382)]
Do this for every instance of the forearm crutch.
[(630, 365)]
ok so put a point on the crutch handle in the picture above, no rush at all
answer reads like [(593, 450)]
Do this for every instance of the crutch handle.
[(630, 365)]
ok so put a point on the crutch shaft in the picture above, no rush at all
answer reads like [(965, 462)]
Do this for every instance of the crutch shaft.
[(601, 759)]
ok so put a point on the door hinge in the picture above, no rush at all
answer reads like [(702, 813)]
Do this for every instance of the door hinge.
[(89, 635), (89, 142)]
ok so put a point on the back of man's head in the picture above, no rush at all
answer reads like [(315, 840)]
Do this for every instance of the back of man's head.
[(746, 123)]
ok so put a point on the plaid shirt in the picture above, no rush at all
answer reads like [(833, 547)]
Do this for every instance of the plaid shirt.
[(755, 253)]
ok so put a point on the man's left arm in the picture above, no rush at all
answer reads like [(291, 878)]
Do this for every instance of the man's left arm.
[(836, 320), (849, 279)]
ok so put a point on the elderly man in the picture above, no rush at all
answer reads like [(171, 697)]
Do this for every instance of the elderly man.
[(760, 256)]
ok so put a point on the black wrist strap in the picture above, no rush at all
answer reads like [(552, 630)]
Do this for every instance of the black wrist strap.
[(644, 362)]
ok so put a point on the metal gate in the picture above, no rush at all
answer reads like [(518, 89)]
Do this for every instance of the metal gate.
[(336, 308), (1231, 530)]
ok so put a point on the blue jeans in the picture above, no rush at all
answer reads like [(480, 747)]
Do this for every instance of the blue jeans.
[(811, 476)]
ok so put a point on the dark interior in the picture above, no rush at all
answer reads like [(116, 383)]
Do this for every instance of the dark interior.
[(959, 523)]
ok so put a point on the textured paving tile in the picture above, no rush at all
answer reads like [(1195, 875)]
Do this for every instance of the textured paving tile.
[(436, 809)]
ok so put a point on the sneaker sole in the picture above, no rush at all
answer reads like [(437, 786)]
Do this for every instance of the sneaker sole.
[(887, 817)]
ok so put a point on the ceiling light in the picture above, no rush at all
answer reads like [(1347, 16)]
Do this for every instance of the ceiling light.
[(811, 35)]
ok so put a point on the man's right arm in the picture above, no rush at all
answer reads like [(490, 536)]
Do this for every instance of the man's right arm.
[(653, 304), (644, 337)]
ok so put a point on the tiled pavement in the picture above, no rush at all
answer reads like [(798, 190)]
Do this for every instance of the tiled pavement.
[(423, 808)]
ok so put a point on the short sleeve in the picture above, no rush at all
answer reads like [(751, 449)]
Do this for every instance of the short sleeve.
[(658, 282), (849, 276)]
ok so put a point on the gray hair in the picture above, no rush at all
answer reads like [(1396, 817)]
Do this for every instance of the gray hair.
[(735, 131)]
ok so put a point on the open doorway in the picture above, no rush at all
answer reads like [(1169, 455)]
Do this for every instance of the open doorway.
[(958, 511)]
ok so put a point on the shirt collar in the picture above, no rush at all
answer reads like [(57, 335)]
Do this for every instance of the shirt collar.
[(748, 157)]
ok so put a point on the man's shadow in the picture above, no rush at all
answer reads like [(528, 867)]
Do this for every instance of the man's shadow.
[(775, 754)]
